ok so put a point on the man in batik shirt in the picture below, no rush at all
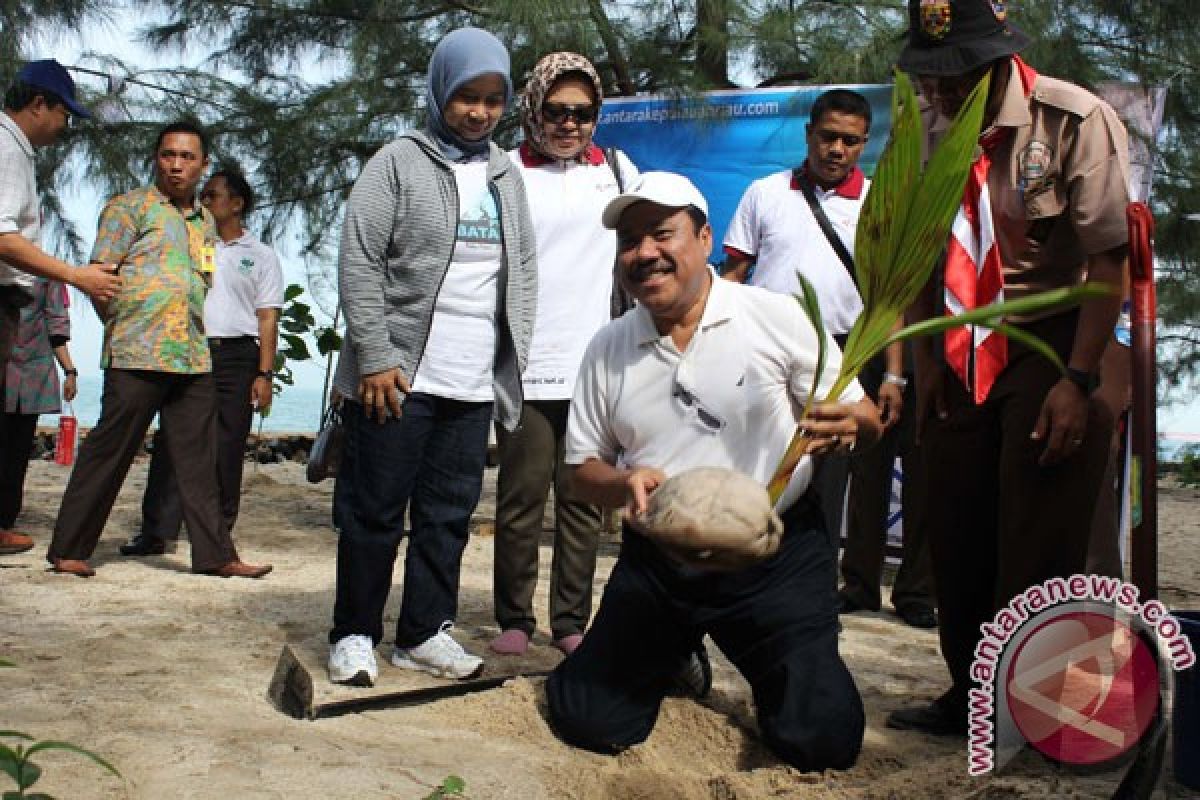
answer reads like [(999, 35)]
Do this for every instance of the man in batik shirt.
[(156, 361)]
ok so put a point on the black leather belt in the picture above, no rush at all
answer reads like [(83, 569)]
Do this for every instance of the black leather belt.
[(226, 341)]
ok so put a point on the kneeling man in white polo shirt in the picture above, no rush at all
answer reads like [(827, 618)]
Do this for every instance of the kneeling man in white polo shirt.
[(705, 372)]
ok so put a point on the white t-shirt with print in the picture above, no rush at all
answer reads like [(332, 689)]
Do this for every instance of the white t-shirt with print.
[(248, 278), (460, 353), (575, 255)]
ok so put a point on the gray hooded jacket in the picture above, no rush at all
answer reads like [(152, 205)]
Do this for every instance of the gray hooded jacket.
[(397, 243)]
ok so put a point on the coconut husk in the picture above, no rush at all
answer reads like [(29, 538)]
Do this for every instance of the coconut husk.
[(712, 518)]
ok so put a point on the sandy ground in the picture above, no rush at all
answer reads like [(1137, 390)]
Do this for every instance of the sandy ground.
[(166, 675)]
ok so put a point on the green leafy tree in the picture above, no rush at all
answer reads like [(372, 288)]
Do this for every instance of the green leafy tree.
[(302, 92)]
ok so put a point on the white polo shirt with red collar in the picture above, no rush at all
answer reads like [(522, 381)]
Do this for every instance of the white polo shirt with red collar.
[(731, 399), (575, 255), (775, 227)]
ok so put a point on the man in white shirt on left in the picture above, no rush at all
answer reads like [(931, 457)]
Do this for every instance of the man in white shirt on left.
[(38, 108), (241, 319)]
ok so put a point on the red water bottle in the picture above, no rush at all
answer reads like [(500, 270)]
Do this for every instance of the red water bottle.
[(64, 444)]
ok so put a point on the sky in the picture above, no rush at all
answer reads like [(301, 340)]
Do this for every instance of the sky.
[(1181, 418)]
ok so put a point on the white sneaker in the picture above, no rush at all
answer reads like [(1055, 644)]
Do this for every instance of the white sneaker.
[(439, 655), (352, 661)]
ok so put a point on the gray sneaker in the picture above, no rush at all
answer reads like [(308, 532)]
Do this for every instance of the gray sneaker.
[(352, 661), (439, 655)]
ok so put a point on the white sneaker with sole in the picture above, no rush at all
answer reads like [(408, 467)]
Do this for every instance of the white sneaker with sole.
[(439, 655), (352, 661)]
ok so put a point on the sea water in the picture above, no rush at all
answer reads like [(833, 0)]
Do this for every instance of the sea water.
[(296, 410)]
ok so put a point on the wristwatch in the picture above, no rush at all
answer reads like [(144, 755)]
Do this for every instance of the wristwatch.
[(71, 373), (895, 380), (266, 373), (1086, 381)]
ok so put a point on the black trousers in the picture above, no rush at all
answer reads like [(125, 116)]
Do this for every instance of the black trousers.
[(999, 522), (131, 399), (868, 506), (16, 443), (235, 366), (775, 621)]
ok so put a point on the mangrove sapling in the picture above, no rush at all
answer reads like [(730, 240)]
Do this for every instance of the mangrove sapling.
[(15, 762), (453, 786)]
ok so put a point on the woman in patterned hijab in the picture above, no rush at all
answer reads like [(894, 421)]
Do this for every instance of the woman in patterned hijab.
[(568, 181), (536, 118)]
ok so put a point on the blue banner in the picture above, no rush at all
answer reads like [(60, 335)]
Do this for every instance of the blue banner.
[(724, 140)]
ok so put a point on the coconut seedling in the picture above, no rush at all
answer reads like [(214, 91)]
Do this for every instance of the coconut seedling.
[(695, 516), (903, 228)]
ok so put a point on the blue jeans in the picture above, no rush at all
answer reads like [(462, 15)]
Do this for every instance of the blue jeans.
[(431, 461)]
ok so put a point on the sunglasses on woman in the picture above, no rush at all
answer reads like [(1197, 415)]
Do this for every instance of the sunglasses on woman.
[(558, 113)]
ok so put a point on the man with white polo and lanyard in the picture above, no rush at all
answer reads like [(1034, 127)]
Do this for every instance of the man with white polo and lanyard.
[(804, 220), (241, 320)]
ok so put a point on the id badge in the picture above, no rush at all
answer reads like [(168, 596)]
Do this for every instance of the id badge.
[(208, 259)]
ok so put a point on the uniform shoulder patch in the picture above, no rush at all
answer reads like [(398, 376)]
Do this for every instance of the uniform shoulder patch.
[(1066, 96)]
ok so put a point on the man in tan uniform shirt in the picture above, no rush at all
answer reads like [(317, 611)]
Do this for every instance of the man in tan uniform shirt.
[(1015, 476)]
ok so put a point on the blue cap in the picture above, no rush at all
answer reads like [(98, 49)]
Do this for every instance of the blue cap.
[(52, 76)]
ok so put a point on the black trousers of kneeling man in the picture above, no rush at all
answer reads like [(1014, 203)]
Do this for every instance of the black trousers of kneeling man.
[(776, 621)]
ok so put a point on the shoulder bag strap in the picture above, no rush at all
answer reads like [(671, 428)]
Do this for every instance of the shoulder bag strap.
[(818, 213), (610, 155), (620, 301)]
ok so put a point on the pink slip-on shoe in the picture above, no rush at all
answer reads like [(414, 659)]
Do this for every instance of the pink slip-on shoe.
[(568, 643), (512, 642)]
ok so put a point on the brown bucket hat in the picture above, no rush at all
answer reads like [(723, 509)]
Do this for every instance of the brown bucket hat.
[(946, 37)]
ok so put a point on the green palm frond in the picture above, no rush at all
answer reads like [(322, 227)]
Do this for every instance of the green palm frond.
[(71, 748), (812, 309), (994, 315)]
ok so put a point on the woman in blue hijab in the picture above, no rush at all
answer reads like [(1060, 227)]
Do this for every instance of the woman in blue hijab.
[(438, 283)]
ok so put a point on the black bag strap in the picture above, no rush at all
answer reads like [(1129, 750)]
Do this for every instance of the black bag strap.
[(620, 301), (610, 155), (818, 213)]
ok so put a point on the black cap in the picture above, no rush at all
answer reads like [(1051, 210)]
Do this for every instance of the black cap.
[(52, 76), (949, 37)]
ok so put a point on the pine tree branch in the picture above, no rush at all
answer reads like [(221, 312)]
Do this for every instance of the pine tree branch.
[(612, 45)]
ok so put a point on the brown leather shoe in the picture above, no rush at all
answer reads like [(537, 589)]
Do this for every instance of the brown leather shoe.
[(12, 543), (239, 569), (72, 566)]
